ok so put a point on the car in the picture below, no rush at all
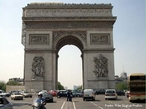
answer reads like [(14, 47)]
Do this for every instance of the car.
[(110, 94), (53, 92), (3, 93), (89, 94), (42, 91), (26, 94), (62, 93), (5, 104), (79, 94), (100, 91), (120, 92), (47, 96), (16, 96)]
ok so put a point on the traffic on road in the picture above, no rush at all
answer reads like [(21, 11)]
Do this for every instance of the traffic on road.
[(121, 102)]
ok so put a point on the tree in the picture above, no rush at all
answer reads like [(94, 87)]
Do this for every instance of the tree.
[(2, 85), (79, 88), (13, 83), (121, 86), (60, 86)]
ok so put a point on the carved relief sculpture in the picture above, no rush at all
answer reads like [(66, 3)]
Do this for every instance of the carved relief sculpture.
[(101, 66), (38, 67), (39, 39), (57, 34)]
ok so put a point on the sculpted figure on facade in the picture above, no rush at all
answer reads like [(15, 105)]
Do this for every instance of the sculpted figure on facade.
[(38, 67), (57, 34), (101, 66)]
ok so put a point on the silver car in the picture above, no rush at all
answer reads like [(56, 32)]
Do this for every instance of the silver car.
[(5, 104), (110, 94)]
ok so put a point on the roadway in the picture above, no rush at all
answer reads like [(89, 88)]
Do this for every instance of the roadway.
[(78, 103)]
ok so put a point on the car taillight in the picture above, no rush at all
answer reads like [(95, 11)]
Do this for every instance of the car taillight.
[(113, 94), (106, 94)]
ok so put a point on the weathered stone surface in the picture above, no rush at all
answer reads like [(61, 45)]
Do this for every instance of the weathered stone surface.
[(47, 27)]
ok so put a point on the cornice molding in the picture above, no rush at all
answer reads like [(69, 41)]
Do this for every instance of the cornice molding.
[(50, 5), (101, 18)]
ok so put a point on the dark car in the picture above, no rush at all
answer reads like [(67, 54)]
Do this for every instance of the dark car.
[(47, 96), (120, 92), (62, 93), (79, 94), (100, 91), (5, 104)]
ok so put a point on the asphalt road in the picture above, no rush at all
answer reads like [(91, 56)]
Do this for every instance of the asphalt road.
[(78, 103)]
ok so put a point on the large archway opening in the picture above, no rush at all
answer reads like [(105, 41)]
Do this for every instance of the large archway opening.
[(69, 62), (70, 67)]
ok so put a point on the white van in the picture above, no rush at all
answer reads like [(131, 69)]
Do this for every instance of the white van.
[(89, 94)]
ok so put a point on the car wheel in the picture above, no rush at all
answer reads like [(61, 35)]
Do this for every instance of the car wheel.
[(51, 100)]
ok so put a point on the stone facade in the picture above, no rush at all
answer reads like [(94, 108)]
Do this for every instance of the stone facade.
[(47, 27)]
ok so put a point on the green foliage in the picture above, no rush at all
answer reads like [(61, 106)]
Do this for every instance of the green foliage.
[(13, 83), (121, 86), (2, 85), (79, 88), (60, 86)]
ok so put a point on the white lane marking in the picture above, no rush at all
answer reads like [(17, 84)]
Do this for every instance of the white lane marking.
[(97, 105), (74, 105), (63, 105)]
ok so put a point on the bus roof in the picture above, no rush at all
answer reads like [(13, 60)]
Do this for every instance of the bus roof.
[(137, 74)]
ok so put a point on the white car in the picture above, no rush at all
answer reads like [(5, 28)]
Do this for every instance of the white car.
[(5, 104), (42, 91), (88, 94), (110, 94), (16, 96), (26, 94), (2, 93)]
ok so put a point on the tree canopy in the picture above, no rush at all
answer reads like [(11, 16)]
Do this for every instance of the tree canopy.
[(121, 86), (60, 86)]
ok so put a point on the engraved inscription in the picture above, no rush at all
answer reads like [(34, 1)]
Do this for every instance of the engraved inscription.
[(96, 38), (39, 38)]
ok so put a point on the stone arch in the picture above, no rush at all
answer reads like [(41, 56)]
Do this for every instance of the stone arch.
[(69, 40), (48, 27)]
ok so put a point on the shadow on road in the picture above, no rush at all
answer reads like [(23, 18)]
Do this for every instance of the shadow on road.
[(20, 104)]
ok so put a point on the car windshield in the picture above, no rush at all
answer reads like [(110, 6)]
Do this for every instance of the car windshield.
[(46, 94), (25, 92), (110, 91), (17, 94)]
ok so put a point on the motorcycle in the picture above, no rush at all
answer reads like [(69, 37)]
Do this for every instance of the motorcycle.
[(38, 104)]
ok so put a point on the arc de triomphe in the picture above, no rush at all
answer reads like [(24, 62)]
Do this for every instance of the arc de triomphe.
[(47, 27)]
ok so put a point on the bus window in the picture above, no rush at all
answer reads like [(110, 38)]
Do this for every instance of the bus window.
[(137, 78)]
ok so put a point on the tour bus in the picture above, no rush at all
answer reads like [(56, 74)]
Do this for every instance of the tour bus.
[(137, 86)]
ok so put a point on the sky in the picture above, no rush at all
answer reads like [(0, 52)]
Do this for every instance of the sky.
[(128, 32)]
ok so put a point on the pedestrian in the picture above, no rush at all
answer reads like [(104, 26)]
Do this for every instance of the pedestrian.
[(69, 95)]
